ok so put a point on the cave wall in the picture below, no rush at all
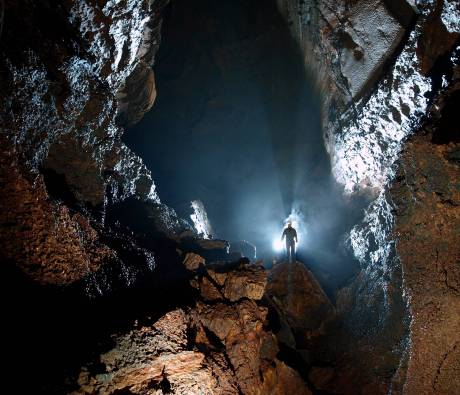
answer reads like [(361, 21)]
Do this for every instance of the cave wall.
[(427, 223), (72, 75), (403, 306)]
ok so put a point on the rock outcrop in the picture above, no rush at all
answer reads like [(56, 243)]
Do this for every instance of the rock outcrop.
[(221, 345), (68, 73), (79, 211), (300, 302)]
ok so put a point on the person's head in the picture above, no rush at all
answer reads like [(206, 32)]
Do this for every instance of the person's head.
[(289, 225)]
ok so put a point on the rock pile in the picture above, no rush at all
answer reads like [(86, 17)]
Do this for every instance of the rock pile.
[(220, 345)]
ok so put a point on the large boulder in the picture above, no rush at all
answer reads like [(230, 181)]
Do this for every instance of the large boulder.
[(299, 300)]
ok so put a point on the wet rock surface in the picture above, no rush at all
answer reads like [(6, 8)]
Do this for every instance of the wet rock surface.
[(427, 201), (246, 280), (150, 359), (67, 71)]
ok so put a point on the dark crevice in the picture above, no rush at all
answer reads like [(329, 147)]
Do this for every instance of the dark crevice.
[(447, 129)]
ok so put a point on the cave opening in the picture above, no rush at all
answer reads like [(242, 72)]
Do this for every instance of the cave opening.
[(237, 125)]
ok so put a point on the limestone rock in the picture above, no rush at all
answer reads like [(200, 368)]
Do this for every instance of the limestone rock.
[(247, 283), (212, 348), (42, 237), (58, 105), (436, 40), (368, 39), (137, 95), (249, 348)]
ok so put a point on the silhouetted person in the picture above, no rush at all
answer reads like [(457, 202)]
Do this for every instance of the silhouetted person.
[(291, 238)]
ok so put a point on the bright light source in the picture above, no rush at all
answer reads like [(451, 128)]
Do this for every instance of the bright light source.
[(277, 244)]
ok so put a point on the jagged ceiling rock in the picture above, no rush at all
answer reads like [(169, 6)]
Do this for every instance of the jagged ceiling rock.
[(123, 38), (69, 70)]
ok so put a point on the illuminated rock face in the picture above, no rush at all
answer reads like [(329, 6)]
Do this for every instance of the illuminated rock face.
[(366, 136), (67, 73), (426, 194)]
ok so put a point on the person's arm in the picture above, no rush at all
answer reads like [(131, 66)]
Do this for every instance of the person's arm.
[(295, 236), (283, 235)]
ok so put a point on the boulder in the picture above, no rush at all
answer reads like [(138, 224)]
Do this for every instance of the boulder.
[(299, 300), (367, 42), (212, 250), (233, 281)]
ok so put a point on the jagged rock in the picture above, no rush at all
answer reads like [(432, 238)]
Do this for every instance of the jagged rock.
[(48, 241), (436, 40), (231, 281), (247, 283), (69, 69), (62, 66), (300, 300), (365, 142), (250, 350), (193, 261), (149, 360), (427, 199), (219, 348), (208, 290)]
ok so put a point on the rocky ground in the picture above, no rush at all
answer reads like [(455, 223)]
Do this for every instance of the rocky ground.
[(228, 341)]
